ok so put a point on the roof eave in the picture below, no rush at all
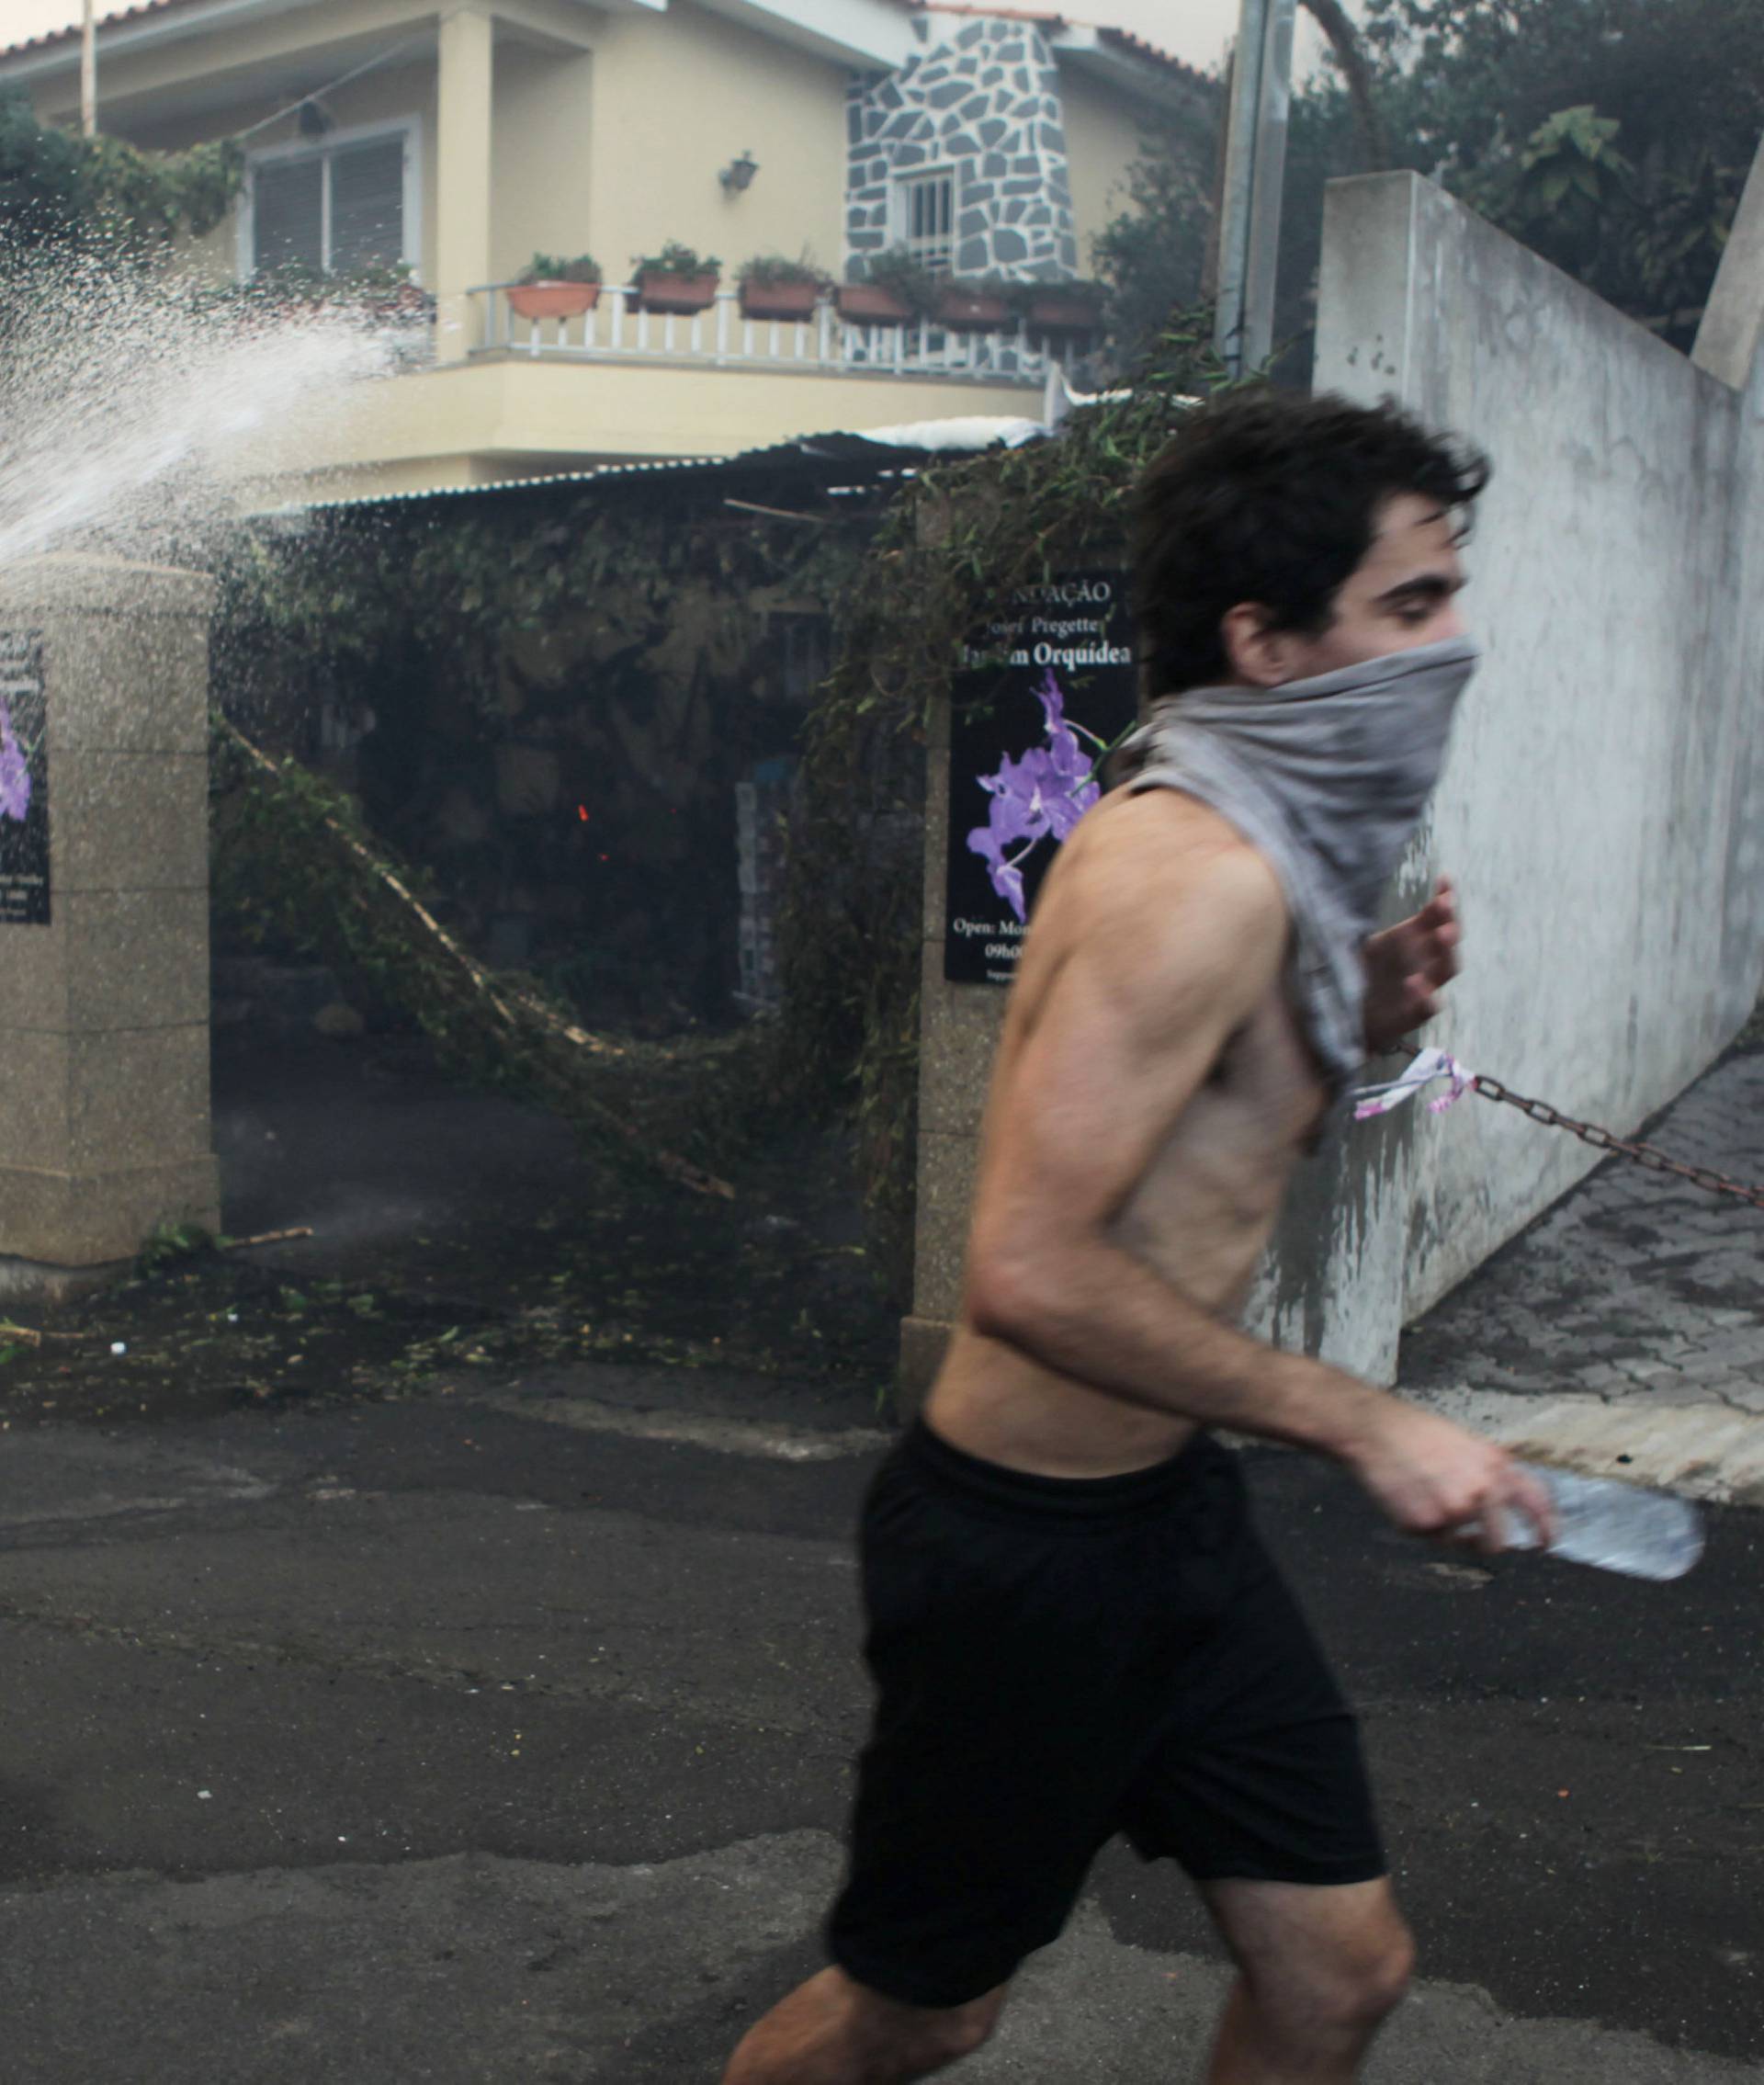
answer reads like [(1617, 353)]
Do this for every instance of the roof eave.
[(118, 39), (1091, 50), (121, 38), (863, 33)]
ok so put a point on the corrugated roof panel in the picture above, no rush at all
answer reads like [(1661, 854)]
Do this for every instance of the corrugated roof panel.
[(839, 447)]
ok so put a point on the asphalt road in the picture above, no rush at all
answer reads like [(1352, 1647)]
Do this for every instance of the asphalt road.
[(511, 1740)]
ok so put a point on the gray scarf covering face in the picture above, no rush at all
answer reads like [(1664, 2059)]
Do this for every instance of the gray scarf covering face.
[(1327, 778)]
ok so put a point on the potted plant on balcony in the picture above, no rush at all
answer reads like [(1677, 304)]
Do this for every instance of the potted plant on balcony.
[(676, 280), (1064, 307), (554, 289), (976, 304), (897, 287), (379, 292), (775, 287)]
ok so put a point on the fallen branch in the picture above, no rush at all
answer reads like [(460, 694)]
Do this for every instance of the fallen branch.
[(11, 1332), (265, 1238), (507, 1025)]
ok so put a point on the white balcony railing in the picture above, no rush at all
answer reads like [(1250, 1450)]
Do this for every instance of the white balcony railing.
[(617, 329)]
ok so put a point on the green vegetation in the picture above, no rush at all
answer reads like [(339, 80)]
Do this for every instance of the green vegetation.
[(293, 858), (613, 624), (1151, 257), (549, 267), (379, 292), (167, 1243), (1612, 136), (62, 191), (776, 271), (675, 259), (956, 545), (905, 276)]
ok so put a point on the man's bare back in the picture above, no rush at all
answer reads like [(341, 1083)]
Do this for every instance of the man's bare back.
[(1200, 1198)]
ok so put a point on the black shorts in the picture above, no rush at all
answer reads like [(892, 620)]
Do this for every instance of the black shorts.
[(1060, 1659)]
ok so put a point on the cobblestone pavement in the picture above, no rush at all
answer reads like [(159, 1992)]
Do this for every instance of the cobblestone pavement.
[(1636, 1287)]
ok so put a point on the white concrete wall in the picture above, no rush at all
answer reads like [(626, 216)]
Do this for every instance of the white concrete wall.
[(1603, 803)]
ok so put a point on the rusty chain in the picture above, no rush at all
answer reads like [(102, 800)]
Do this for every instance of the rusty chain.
[(1647, 1155)]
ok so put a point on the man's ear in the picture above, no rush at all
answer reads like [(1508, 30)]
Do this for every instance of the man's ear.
[(1257, 651)]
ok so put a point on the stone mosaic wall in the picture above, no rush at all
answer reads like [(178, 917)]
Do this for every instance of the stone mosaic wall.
[(984, 102)]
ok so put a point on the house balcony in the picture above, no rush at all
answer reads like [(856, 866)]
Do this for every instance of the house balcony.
[(621, 385), (721, 336)]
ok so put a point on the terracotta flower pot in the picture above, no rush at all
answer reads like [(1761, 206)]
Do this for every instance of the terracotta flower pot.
[(659, 292), (867, 303), (552, 299), (979, 310), (779, 299), (1054, 310)]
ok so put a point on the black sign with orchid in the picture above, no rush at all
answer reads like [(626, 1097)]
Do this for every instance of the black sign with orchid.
[(24, 782), (1048, 688)]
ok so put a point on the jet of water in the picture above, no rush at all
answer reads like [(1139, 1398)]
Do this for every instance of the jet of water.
[(131, 408)]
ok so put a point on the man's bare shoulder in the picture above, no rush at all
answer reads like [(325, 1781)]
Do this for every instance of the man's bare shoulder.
[(1156, 898), (1161, 851)]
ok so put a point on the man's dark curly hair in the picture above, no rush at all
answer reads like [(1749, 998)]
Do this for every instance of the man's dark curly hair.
[(1272, 497)]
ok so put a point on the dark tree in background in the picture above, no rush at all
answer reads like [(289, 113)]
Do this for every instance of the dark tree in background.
[(1154, 255), (1612, 136)]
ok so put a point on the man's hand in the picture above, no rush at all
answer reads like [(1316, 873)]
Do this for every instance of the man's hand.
[(1408, 966), (1433, 1478)]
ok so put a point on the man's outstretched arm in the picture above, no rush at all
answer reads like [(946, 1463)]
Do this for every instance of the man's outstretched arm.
[(1118, 1050)]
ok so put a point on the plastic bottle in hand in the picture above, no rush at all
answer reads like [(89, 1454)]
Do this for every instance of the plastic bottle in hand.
[(1616, 1528)]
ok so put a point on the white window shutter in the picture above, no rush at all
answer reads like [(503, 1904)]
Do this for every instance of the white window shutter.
[(367, 205), (287, 213)]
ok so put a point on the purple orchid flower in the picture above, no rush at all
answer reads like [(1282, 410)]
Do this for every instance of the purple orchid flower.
[(1043, 793), (15, 771)]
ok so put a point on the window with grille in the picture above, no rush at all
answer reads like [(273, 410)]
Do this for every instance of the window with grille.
[(339, 207), (924, 219)]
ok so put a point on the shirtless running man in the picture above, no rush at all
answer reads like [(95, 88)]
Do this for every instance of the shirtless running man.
[(1073, 1627)]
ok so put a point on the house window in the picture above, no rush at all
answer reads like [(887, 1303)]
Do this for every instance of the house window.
[(340, 207), (924, 219)]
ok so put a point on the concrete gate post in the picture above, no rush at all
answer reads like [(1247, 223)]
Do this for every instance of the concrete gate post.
[(958, 1033), (105, 1128)]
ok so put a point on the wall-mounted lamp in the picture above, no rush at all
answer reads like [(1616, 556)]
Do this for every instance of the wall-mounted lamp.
[(738, 173), (314, 119)]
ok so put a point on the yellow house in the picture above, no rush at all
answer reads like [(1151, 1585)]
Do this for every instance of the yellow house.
[(464, 137)]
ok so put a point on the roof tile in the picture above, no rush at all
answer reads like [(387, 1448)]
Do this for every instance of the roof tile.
[(72, 34), (1051, 18), (1122, 40)]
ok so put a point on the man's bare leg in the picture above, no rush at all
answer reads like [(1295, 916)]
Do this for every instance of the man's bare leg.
[(832, 2030), (1318, 1971)]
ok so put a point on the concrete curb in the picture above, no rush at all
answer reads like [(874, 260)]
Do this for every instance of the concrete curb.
[(1704, 1450)]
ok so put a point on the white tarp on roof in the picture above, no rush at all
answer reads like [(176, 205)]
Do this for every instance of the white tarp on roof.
[(968, 432)]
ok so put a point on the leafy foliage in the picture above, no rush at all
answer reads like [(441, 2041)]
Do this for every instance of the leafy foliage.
[(902, 275), (1152, 255), (676, 258), (549, 267), (776, 271), (167, 1243), (1612, 136), (952, 548), (63, 190), (382, 292), (293, 858), (582, 610)]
